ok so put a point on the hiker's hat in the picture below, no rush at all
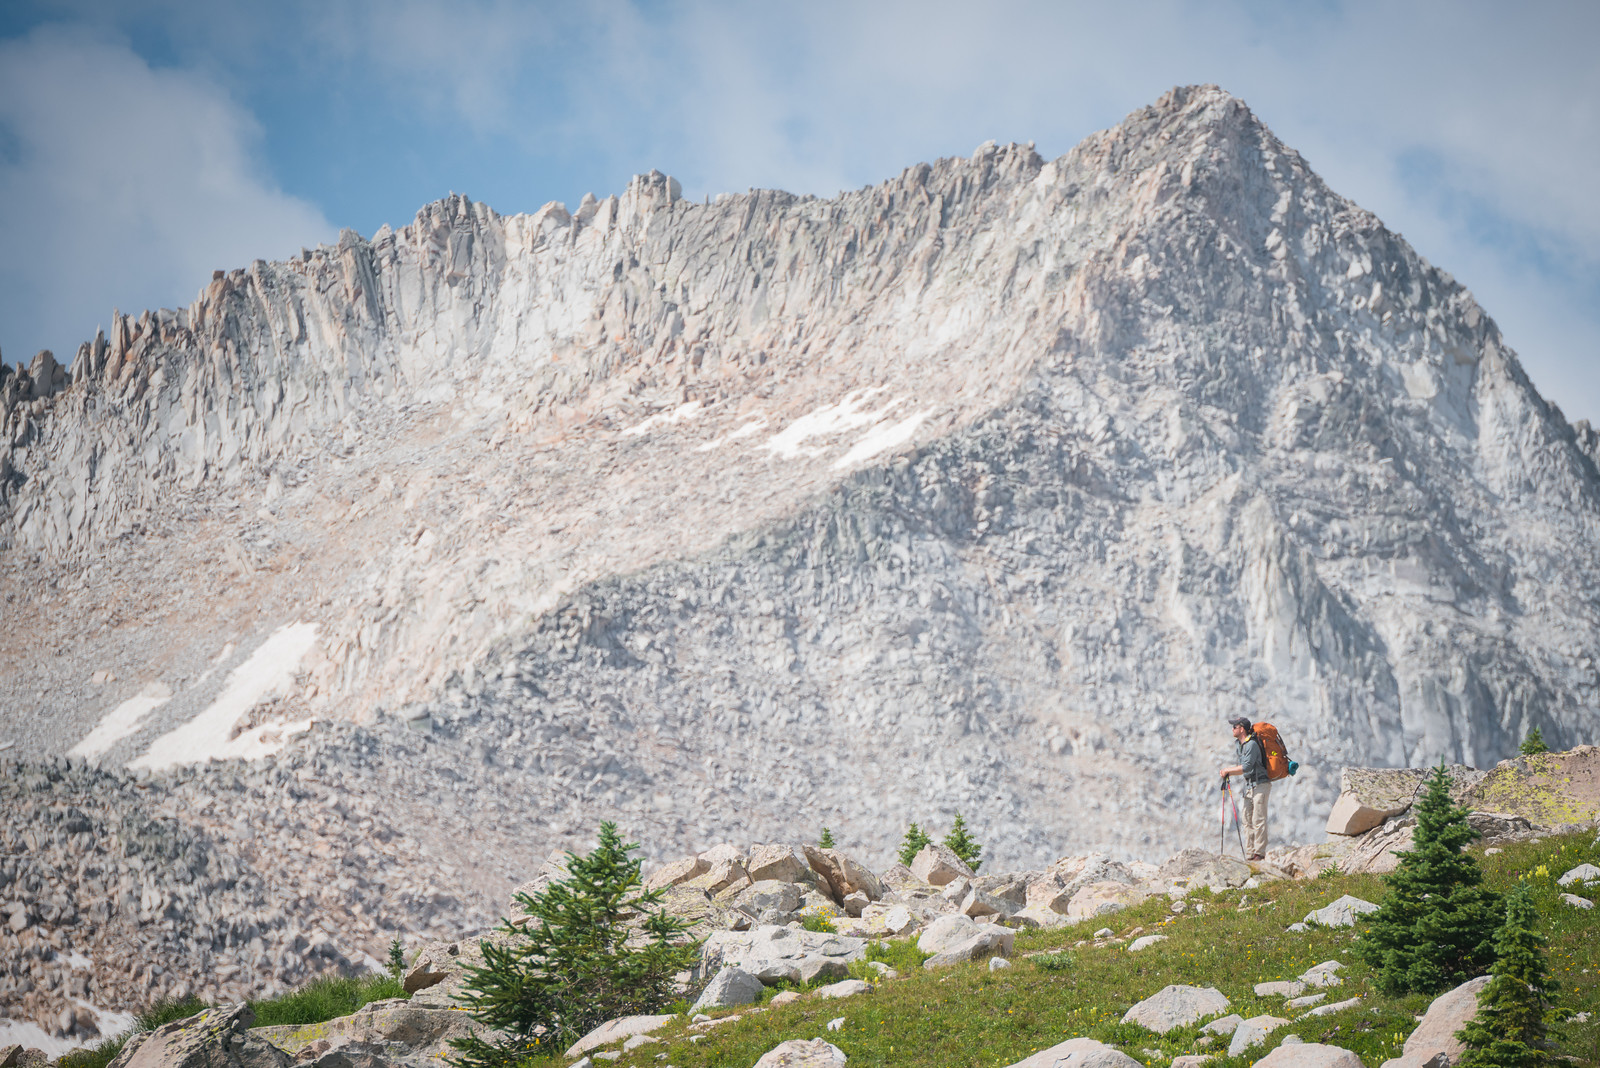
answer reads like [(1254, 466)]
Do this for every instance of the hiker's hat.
[(1239, 721)]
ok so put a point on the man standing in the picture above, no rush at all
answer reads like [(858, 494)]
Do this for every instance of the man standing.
[(1253, 767)]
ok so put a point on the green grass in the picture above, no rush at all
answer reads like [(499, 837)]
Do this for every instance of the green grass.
[(968, 1015), (321, 999)]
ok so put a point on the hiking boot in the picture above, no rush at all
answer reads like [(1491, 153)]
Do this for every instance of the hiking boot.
[(1255, 856)]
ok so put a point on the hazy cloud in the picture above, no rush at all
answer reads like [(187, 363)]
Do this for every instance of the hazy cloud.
[(122, 185)]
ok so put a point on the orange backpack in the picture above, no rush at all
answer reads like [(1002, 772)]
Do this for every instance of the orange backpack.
[(1272, 748)]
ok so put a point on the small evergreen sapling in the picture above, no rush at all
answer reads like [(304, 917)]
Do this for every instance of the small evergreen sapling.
[(912, 845), (397, 959), (571, 967), (1534, 743), (1436, 927), (959, 842), (1515, 1009), (826, 841)]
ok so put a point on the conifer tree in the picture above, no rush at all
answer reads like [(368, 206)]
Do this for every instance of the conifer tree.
[(1514, 1010), (1534, 743), (959, 842), (570, 967), (826, 841), (1436, 927), (912, 845)]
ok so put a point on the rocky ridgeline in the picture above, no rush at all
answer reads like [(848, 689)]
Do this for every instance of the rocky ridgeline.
[(991, 488)]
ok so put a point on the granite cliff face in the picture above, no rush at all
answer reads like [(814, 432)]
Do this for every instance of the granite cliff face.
[(994, 487)]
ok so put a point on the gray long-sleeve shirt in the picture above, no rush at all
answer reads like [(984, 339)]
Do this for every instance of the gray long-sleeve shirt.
[(1252, 759)]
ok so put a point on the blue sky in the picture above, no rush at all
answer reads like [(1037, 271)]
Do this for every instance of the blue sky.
[(144, 143)]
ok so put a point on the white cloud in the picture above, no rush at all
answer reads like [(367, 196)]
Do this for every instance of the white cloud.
[(124, 186)]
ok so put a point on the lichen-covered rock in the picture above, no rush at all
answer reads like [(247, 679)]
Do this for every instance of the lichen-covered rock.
[(1079, 1053), (215, 1038), (772, 953), (730, 986), (803, 1053), (1550, 790)]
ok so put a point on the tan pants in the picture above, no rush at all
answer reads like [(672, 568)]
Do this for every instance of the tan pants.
[(1253, 809)]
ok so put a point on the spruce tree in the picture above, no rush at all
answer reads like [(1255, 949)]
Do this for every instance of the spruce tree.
[(826, 841), (1436, 927), (570, 966), (1515, 1009), (959, 842), (1534, 743), (912, 845)]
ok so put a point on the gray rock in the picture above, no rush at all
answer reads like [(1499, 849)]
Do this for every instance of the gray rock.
[(730, 986), (997, 964), (977, 903), (1335, 1006), (1309, 1055), (779, 863), (938, 865), (1577, 902), (1253, 1032), (1433, 1043), (946, 932), (1225, 1025), (1145, 942), (624, 1027), (1322, 975), (988, 942), (1079, 1053), (844, 989), (772, 953), (803, 1053), (768, 895), (1340, 913), (1280, 989), (1176, 1006), (215, 1038), (1304, 1002), (1583, 873)]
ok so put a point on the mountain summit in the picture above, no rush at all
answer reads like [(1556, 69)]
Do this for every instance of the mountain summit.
[(995, 487)]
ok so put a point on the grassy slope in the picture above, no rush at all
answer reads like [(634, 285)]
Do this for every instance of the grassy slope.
[(970, 1016)]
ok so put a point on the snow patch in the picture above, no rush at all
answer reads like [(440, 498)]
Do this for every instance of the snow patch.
[(846, 415), (681, 413), (745, 431), (268, 672), (30, 1035), (127, 718), (881, 438)]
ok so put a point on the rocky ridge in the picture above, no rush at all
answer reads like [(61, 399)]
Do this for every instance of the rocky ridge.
[(989, 488)]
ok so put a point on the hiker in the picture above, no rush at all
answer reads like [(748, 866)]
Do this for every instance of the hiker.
[(1253, 767)]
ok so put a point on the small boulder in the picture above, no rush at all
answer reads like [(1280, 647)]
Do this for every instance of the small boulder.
[(1577, 902), (623, 1027), (998, 964), (803, 1053), (1322, 975), (844, 989), (1350, 816), (978, 903), (1225, 1025), (1305, 1002), (1583, 873), (1335, 1006), (1340, 913), (1309, 1055), (1145, 942), (1287, 988), (1190, 1060), (991, 941), (945, 932), (938, 864), (1079, 1053), (17, 1056), (1433, 1043), (1103, 898), (730, 986), (1253, 1032), (1176, 1006), (768, 894)]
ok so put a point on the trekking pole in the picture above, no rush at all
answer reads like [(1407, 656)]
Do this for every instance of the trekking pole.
[(1222, 828), (1236, 821)]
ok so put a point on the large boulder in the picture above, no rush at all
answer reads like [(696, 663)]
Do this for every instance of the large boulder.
[(1079, 1053), (850, 876), (19, 1056), (938, 864), (730, 986), (978, 903), (773, 953), (803, 1053), (676, 871), (725, 866), (1103, 898), (1176, 1006), (768, 895), (1253, 1032), (1010, 886), (396, 1032), (1434, 1043), (779, 863), (215, 1038), (1309, 1055), (1547, 789), (1194, 868), (946, 932), (440, 972), (617, 1030), (1047, 892), (1378, 851)]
